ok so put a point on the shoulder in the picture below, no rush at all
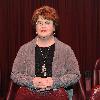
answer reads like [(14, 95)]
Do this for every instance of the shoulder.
[(63, 46), (27, 46)]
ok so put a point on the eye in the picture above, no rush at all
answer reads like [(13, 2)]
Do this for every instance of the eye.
[(39, 23), (47, 22)]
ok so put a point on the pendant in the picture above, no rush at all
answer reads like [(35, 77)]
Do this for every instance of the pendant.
[(44, 70)]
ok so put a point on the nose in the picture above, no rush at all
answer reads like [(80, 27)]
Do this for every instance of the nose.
[(43, 24)]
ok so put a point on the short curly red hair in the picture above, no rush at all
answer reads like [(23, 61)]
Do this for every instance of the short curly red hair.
[(47, 13)]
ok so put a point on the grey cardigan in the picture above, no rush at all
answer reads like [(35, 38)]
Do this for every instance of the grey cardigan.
[(65, 68)]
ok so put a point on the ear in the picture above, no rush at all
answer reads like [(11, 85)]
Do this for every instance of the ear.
[(53, 27)]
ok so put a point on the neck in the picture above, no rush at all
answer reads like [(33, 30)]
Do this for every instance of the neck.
[(45, 42)]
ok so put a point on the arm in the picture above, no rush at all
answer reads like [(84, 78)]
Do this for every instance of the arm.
[(72, 73), (19, 71)]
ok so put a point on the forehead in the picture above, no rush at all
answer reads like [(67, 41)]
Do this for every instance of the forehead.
[(40, 18)]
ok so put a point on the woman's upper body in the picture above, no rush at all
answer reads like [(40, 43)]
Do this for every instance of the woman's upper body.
[(65, 68)]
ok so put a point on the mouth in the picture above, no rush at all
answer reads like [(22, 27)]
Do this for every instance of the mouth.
[(43, 30)]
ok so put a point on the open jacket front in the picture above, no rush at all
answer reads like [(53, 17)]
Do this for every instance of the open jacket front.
[(65, 68)]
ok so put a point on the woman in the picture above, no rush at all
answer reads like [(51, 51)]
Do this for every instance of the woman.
[(45, 63)]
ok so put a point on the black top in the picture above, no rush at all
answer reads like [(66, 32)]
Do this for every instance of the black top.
[(44, 55)]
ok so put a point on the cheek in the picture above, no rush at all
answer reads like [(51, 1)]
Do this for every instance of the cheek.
[(37, 28), (50, 28)]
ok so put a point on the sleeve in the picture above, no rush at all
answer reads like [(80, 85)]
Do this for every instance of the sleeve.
[(19, 71), (71, 74)]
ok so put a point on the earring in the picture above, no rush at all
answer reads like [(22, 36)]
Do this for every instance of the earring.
[(36, 32), (53, 33)]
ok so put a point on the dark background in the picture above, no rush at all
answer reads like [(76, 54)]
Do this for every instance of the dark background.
[(79, 28)]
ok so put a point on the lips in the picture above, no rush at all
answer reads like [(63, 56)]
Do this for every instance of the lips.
[(43, 30)]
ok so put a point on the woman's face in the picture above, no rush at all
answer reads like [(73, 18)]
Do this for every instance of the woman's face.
[(44, 27)]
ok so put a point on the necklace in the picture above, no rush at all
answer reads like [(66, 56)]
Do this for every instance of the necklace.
[(44, 56)]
